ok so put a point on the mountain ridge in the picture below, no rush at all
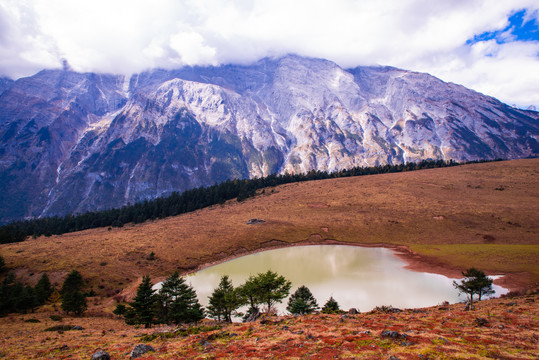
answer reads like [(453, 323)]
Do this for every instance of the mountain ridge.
[(77, 142)]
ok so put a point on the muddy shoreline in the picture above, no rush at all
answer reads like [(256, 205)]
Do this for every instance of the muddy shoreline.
[(514, 282)]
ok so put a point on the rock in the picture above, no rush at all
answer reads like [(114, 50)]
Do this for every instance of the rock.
[(393, 358), (353, 311), (390, 333), (204, 342), (481, 321), (253, 316), (367, 332), (77, 327), (100, 355), (255, 221), (140, 350)]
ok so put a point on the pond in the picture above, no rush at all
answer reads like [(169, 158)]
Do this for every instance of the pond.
[(357, 277)]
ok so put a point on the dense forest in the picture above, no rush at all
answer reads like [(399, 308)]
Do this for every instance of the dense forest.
[(190, 200)]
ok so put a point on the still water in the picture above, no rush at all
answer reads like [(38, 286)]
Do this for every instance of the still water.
[(355, 276)]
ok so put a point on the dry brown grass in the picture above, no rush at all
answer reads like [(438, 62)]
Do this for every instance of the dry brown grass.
[(484, 214)]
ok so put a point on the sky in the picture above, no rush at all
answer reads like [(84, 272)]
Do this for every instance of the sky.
[(491, 46)]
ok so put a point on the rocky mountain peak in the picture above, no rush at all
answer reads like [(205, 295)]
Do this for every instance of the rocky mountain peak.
[(75, 142)]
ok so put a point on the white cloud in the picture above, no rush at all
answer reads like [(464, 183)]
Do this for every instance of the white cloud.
[(125, 36)]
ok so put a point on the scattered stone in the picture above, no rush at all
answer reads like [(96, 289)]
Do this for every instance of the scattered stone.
[(390, 333), (253, 316), (393, 358), (512, 304), (481, 321), (444, 340), (100, 355), (353, 311), (255, 221), (204, 342), (140, 350), (367, 332), (310, 337), (299, 332), (77, 327)]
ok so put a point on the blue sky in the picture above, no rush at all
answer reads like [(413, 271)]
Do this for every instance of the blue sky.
[(491, 46), (520, 27)]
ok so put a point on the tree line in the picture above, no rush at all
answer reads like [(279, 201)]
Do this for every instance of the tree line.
[(176, 302), (190, 200), (16, 296)]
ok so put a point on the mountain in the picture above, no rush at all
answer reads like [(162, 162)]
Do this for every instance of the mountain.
[(74, 142)]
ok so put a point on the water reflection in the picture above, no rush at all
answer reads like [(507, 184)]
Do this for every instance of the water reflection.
[(355, 276)]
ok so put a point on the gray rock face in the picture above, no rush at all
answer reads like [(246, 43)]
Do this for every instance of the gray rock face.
[(140, 350), (100, 355), (75, 142)]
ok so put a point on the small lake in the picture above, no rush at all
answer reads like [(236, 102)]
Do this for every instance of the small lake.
[(355, 276)]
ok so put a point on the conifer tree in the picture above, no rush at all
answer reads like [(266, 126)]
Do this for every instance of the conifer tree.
[(43, 289), (73, 300), (143, 303), (475, 282), (8, 296), (27, 300), (302, 302), (178, 301), (249, 294), (331, 307), (224, 300), (272, 288)]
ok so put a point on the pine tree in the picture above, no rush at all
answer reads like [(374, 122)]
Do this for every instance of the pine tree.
[(11, 293), (249, 294), (43, 289), (178, 301), (224, 300), (143, 303), (73, 300), (273, 288), (331, 307), (302, 302), (475, 282), (27, 300)]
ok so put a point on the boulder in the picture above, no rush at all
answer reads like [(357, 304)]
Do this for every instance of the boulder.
[(100, 355), (353, 311), (481, 321), (140, 350), (390, 333)]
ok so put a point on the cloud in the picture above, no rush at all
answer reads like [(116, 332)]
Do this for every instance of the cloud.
[(490, 46)]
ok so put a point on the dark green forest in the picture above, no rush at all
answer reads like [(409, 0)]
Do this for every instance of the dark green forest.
[(187, 201)]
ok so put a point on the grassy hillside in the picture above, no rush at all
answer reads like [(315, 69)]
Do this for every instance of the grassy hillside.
[(445, 220), (497, 329)]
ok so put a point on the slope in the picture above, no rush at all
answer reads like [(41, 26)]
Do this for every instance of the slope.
[(441, 220)]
